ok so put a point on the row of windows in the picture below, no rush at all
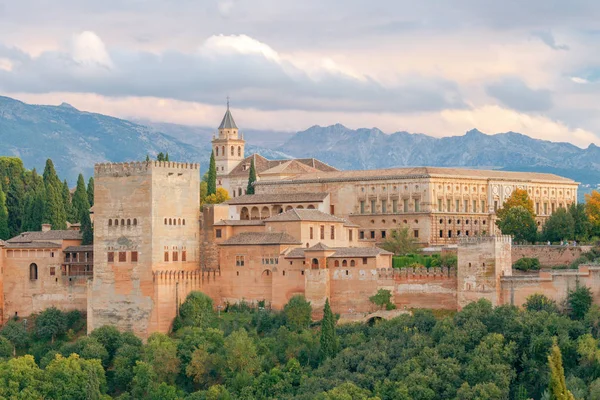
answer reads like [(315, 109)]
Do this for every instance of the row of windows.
[(127, 221), (270, 260), (465, 206), (175, 256), (416, 203), (331, 232), (239, 151), (373, 234), (122, 256), (336, 263), (458, 221), (384, 188), (174, 221), (460, 233), (239, 261)]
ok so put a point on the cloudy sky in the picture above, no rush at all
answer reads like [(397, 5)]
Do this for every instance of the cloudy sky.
[(439, 67)]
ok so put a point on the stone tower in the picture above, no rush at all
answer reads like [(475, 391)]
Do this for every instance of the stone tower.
[(228, 147), (146, 225), (482, 262)]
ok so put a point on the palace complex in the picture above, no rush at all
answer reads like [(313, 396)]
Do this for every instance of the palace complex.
[(309, 230)]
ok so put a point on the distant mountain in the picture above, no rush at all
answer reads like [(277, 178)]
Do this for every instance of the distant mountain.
[(371, 148)]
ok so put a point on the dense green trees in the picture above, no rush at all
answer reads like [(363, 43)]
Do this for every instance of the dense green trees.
[(401, 241), (4, 230), (559, 226), (297, 313), (519, 223)]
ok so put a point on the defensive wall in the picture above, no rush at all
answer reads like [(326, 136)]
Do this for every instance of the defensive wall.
[(549, 256)]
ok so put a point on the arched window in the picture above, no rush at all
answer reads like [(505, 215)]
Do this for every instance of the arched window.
[(344, 263), (239, 151), (110, 222), (315, 263), (239, 191), (170, 221), (33, 272), (336, 263), (134, 221), (128, 222), (223, 150), (232, 150), (179, 221), (352, 263), (217, 151), (183, 221), (165, 221), (116, 222)]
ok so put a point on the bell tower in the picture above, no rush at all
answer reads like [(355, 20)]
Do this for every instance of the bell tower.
[(228, 147)]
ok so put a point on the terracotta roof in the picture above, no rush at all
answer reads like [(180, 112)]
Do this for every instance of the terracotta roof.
[(239, 222), (32, 245), (48, 235), (262, 164), (419, 172), (87, 247), (341, 252), (278, 198), (305, 215), (290, 167), (260, 238), (319, 247)]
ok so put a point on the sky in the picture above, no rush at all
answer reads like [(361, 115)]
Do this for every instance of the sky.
[(440, 67)]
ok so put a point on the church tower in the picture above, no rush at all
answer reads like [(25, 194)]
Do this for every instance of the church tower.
[(228, 147)]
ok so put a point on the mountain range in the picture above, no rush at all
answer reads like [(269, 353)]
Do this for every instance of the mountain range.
[(75, 140)]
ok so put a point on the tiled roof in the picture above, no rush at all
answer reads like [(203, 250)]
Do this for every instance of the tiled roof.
[(341, 252), (48, 235), (32, 245), (305, 215), (87, 247), (260, 238), (290, 167), (228, 122), (319, 247), (419, 172), (239, 222), (278, 198), (262, 164)]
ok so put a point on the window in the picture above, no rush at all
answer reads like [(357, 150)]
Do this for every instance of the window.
[(458, 233), (336, 263), (165, 221), (416, 233), (123, 222), (482, 206), (441, 233), (350, 235), (417, 205), (134, 256), (457, 205), (383, 233), (179, 221), (373, 207), (116, 222), (183, 221), (122, 256), (166, 256), (111, 256), (175, 256), (128, 222), (474, 206), (372, 234), (448, 205), (352, 263), (170, 221), (332, 232), (218, 233), (361, 235), (110, 222), (362, 206), (239, 261), (383, 206), (344, 263), (223, 150), (553, 207), (322, 232), (405, 205), (545, 208), (239, 151), (232, 150), (311, 232), (537, 208), (134, 221), (394, 206), (449, 234), (33, 272), (217, 151), (364, 260), (52, 271), (439, 204), (467, 233), (466, 205)]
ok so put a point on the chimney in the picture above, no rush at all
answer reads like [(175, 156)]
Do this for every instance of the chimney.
[(46, 227)]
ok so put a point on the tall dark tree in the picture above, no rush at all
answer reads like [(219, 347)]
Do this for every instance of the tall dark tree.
[(160, 156), (54, 212), (90, 191), (251, 178), (34, 209), (87, 229), (167, 156), (15, 200), (80, 203), (66, 200), (50, 176), (328, 336), (212, 175), (147, 158), (4, 231)]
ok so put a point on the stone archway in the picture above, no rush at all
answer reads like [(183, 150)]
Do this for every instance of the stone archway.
[(254, 213), (244, 214), (265, 213)]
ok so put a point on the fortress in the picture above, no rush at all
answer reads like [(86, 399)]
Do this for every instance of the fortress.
[(309, 229)]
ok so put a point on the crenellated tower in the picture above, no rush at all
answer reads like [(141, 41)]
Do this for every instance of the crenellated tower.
[(228, 147)]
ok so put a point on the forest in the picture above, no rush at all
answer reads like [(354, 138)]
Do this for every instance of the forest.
[(541, 351)]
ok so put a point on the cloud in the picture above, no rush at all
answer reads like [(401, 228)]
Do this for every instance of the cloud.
[(514, 93), (251, 72), (548, 39)]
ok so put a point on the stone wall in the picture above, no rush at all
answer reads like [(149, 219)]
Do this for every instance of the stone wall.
[(549, 256)]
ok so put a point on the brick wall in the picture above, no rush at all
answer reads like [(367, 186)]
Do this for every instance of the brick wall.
[(549, 256)]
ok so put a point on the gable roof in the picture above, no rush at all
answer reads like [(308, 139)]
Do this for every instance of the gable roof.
[(228, 122), (50, 235), (260, 238), (267, 198), (305, 215), (264, 165), (32, 245), (239, 222)]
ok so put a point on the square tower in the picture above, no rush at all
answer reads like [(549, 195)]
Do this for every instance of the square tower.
[(146, 219)]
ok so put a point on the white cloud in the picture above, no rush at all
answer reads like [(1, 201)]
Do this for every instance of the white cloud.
[(87, 49), (218, 45)]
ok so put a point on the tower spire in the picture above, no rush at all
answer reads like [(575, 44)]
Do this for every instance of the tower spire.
[(228, 102)]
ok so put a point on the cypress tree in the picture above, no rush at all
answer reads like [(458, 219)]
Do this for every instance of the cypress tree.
[(212, 175), (557, 386), (167, 156), (15, 199), (87, 230), (147, 158), (54, 212), (80, 201), (66, 200), (34, 210), (90, 191), (50, 176), (251, 178), (4, 231), (328, 337), (160, 156)]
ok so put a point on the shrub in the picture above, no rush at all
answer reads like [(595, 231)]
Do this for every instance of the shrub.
[(580, 260), (527, 264)]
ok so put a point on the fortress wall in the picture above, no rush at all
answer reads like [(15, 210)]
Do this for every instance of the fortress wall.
[(549, 256), (553, 284), (419, 288)]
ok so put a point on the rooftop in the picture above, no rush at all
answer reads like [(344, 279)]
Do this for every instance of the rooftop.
[(260, 238), (228, 122), (32, 245), (420, 172), (278, 198), (87, 247), (264, 165), (305, 215), (239, 222), (340, 252), (50, 235)]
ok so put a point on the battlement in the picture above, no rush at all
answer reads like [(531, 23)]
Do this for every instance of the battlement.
[(139, 167), (476, 240)]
